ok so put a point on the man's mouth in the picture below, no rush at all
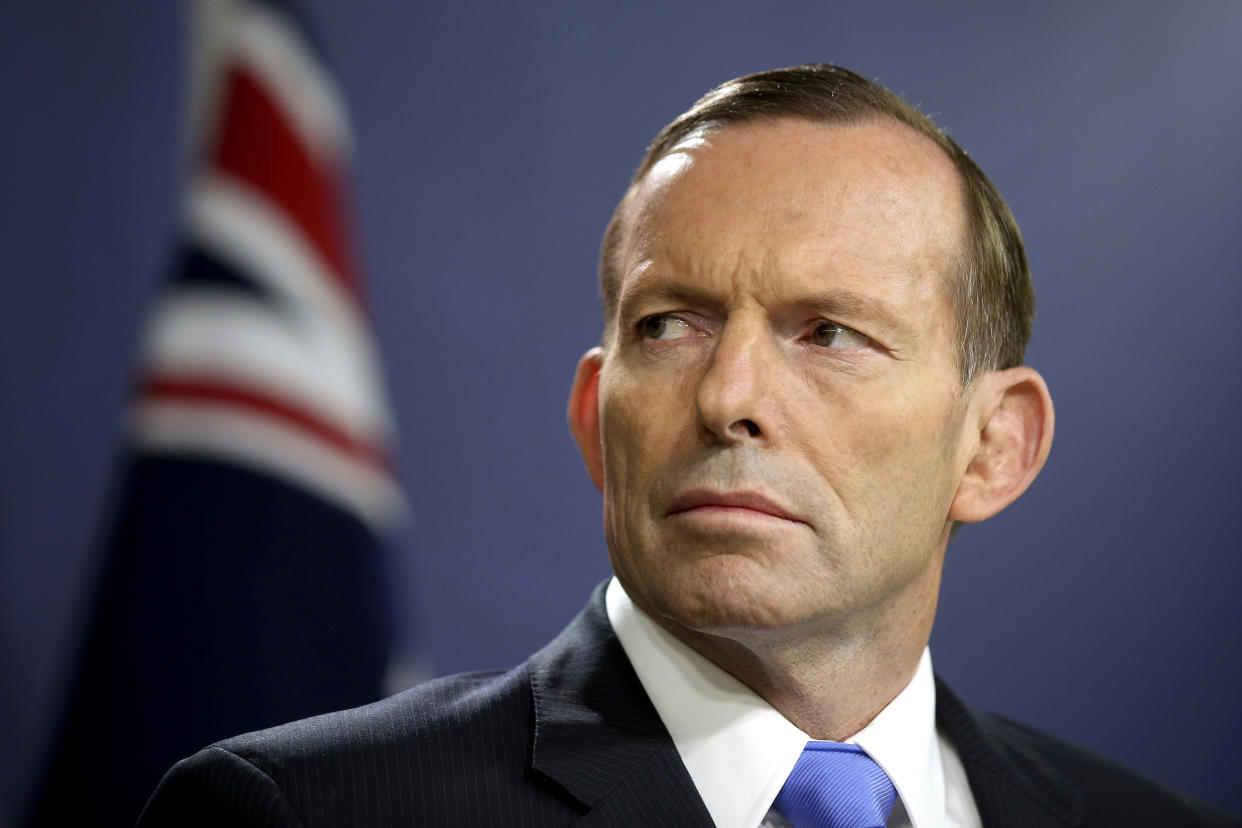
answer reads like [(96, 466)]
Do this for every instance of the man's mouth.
[(742, 503)]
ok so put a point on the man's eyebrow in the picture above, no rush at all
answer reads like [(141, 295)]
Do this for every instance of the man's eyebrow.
[(846, 305), (839, 305), (650, 288)]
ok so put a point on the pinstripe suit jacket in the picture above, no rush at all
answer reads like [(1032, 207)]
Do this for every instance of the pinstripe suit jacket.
[(570, 737)]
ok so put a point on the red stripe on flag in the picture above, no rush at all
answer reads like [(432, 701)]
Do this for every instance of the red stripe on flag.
[(257, 144), (217, 392)]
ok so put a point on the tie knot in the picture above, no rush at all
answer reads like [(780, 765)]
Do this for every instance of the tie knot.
[(835, 785)]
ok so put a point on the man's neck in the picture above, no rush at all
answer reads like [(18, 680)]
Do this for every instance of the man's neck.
[(831, 681)]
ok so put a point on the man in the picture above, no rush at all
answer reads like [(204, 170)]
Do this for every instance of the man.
[(815, 312)]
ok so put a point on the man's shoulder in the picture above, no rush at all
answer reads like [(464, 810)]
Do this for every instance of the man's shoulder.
[(1113, 793), (397, 759), (448, 706), (1014, 767), (459, 750)]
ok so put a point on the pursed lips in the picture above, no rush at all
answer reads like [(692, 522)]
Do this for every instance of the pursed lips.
[(704, 501)]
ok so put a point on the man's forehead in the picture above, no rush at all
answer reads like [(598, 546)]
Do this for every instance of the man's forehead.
[(678, 158), (771, 187), (891, 154)]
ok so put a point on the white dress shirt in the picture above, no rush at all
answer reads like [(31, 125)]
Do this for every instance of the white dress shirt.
[(739, 749)]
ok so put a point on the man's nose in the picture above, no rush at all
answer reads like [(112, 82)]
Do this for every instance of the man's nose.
[(733, 400)]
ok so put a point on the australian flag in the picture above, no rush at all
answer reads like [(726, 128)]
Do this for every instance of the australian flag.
[(241, 583)]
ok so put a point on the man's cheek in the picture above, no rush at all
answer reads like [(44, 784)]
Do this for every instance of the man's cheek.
[(637, 424)]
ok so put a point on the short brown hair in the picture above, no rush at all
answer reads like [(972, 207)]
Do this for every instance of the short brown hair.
[(991, 291)]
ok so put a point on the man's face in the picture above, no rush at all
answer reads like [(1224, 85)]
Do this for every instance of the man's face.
[(780, 410)]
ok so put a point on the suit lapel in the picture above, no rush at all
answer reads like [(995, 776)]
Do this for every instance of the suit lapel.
[(598, 737), (1011, 786)]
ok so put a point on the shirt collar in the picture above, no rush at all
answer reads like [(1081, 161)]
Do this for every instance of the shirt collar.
[(739, 750), (902, 740)]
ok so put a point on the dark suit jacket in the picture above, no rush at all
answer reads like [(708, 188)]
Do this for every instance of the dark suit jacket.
[(570, 737)]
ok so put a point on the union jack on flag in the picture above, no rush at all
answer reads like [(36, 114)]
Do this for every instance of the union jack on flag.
[(242, 581), (260, 350)]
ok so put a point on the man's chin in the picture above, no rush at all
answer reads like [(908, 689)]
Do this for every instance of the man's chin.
[(725, 596)]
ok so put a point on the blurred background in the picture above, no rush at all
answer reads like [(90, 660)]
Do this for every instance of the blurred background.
[(490, 143)]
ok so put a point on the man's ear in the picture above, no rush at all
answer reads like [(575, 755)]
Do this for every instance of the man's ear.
[(583, 414), (1012, 411)]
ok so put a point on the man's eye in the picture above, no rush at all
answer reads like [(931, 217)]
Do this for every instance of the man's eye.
[(663, 326), (832, 335)]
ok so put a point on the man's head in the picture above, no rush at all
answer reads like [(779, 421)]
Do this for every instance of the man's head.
[(777, 418), (990, 282)]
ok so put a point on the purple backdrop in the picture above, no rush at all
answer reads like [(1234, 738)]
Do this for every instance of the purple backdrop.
[(493, 140)]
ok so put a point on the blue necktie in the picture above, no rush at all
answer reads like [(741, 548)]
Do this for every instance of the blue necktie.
[(835, 785)]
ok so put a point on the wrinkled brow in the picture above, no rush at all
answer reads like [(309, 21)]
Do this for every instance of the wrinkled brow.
[(648, 287), (843, 306)]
